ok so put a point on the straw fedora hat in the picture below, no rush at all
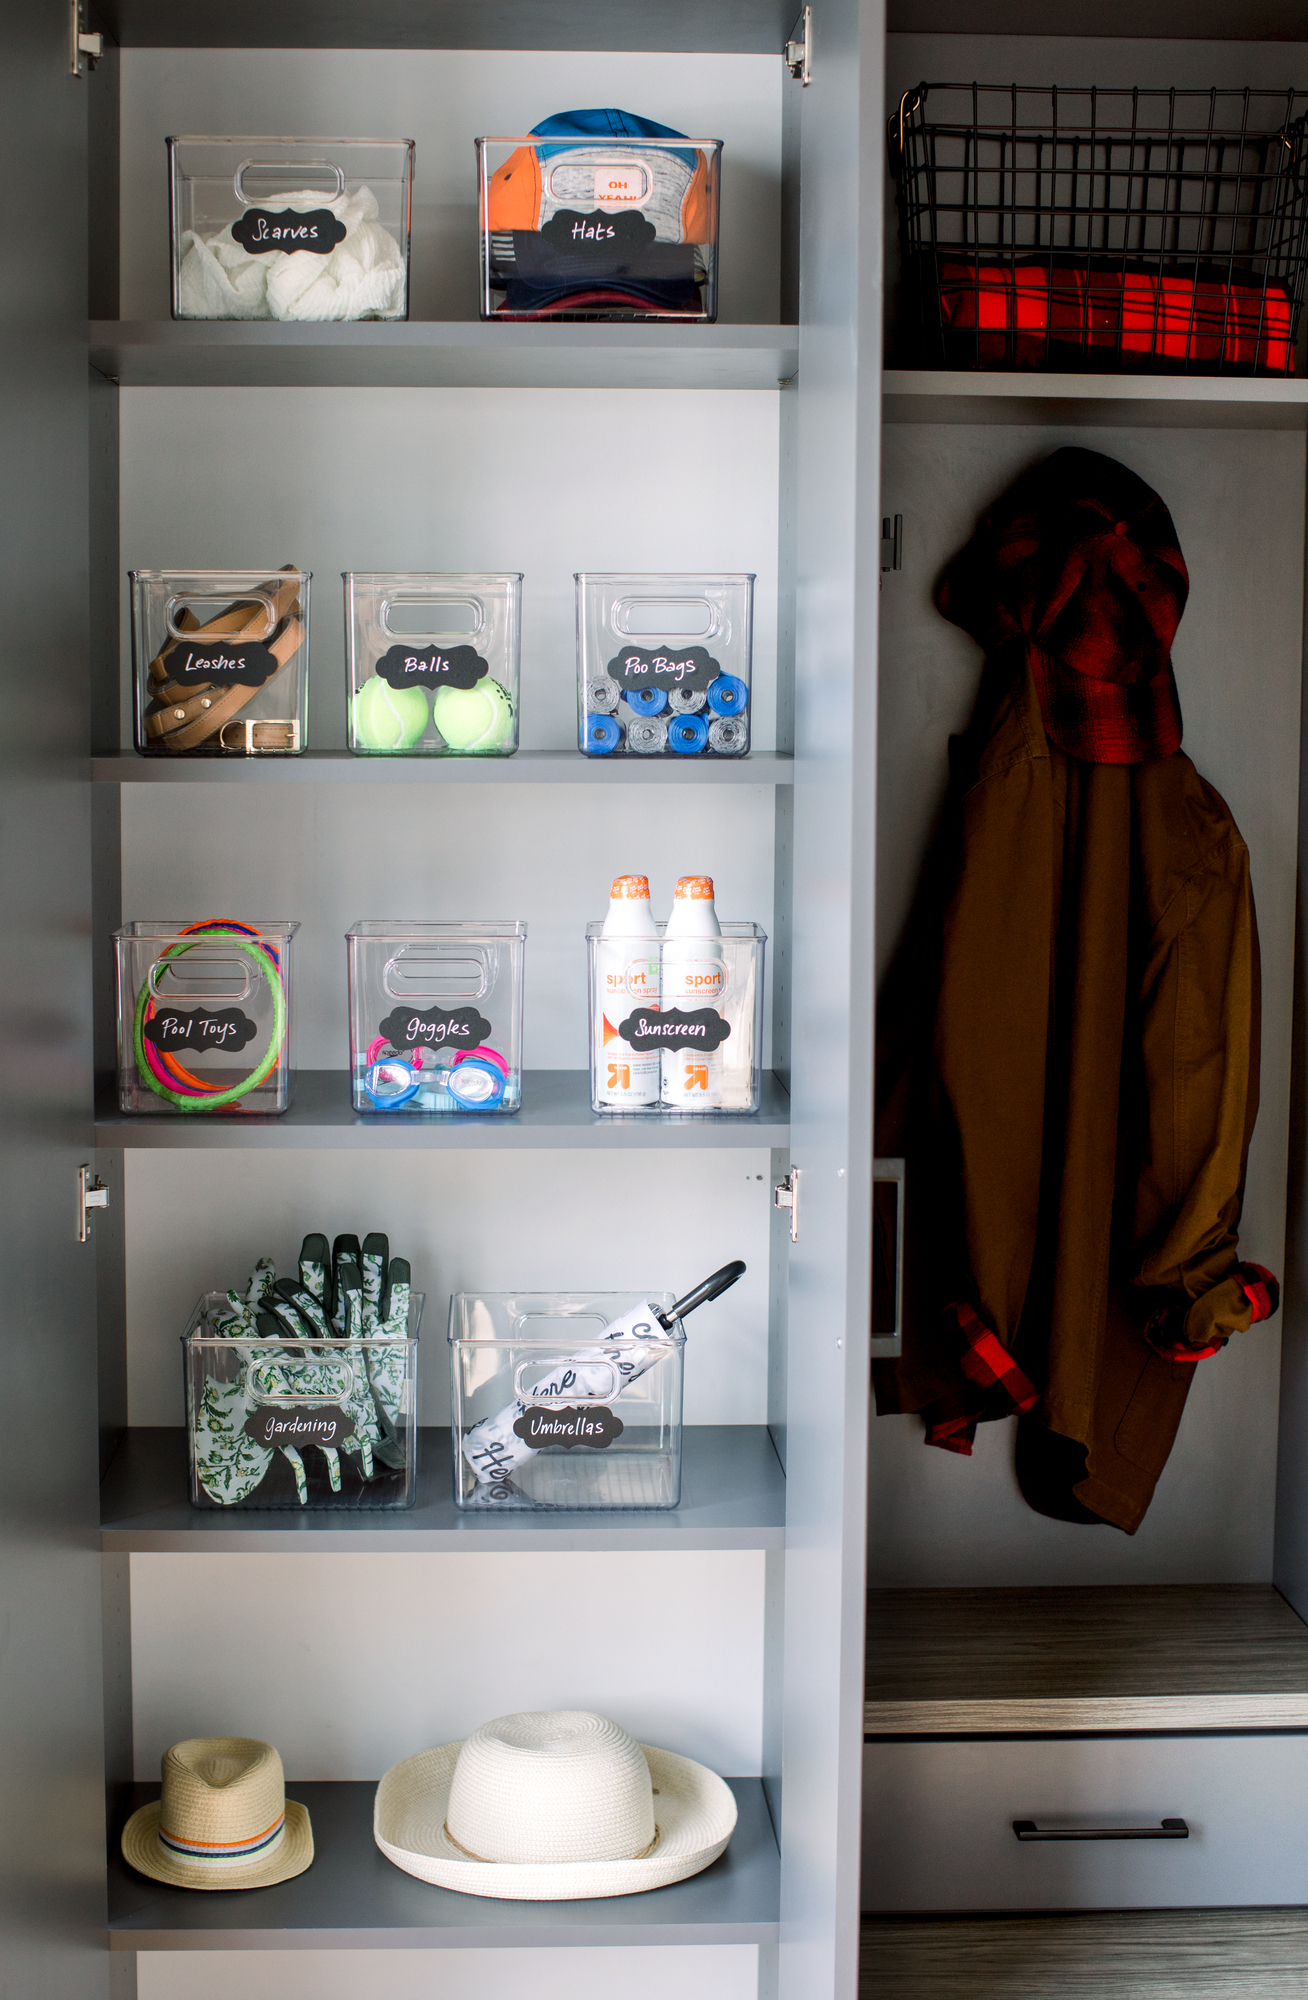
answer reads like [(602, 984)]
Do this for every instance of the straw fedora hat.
[(224, 1820), (549, 1806)]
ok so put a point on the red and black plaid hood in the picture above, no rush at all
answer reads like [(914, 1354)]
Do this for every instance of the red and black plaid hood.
[(1080, 560)]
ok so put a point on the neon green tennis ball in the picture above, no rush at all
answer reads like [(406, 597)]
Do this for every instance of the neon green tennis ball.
[(387, 718), (476, 718)]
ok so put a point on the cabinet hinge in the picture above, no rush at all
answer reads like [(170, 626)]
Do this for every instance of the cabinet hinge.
[(85, 48), (799, 48), (91, 1193), (786, 1195), (892, 542)]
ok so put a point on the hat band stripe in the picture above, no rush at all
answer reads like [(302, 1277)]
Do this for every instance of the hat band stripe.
[(222, 1853)]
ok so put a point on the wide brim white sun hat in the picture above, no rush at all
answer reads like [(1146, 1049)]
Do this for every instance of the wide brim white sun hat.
[(552, 1806), (223, 1822)]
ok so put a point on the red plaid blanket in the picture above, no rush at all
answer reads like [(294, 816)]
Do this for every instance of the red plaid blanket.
[(1134, 312)]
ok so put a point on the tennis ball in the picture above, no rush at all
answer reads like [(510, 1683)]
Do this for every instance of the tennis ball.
[(476, 718), (387, 718)]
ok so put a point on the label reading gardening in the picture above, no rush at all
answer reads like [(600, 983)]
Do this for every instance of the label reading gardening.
[(692, 669), (324, 1424), (263, 229), (432, 667)]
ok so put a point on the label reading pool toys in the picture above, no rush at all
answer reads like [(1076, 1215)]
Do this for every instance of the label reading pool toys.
[(673, 1028), (459, 1028), (590, 1424), (171, 1028), (607, 236), (263, 229), (692, 669), (430, 667), (233, 663), (323, 1424)]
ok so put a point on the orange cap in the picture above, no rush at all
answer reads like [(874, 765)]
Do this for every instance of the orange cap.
[(636, 886), (695, 888)]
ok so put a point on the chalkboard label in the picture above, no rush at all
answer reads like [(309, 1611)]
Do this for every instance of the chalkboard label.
[(591, 1424), (700, 1028), (459, 1028), (322, 1424), (238, 663), (263, 229), (608, 235), (658, 667), (173, 1028), (407, 666)]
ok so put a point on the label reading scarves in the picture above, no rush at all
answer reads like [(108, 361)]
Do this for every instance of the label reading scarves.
[(261, 230), (674, 1028), (690, 668), (429, 667)]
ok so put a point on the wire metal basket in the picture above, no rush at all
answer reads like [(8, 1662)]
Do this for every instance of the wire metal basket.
[(1158, 230)]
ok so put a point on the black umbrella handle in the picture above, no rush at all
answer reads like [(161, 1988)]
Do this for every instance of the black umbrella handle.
[(711, 1288)]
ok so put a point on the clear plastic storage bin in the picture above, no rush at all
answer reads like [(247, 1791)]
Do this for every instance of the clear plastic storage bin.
[(547, 1413), (585, 227), (279, 1424), (290, 229), (663, 665), (220, 661), (432, 663), (435, 1016), (204, 1016), (698, 1045)]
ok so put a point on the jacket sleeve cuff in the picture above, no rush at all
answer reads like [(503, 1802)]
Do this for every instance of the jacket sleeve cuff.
[(1247, 1294)]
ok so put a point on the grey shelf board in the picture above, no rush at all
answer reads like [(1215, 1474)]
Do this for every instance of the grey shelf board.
[(353, 1898), (733, 1496), (1084, 1659), (555, 1112), (526, 767), (1193, 402), (743, 27), (441, 354)]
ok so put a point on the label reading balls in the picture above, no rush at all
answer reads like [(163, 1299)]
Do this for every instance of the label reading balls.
[(437, 1028), (261, 230), (219, 663), (673, 1028), (432, 667), (691, 669)]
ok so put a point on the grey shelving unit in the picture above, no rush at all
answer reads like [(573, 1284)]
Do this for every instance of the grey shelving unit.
[(526, 767)]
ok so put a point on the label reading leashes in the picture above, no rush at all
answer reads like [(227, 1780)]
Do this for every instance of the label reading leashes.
[(429, 667), (324, 1424), (263, 229), (237, 663)]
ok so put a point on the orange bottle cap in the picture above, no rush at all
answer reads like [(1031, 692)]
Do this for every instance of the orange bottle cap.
[(695, 888), (631, 885)]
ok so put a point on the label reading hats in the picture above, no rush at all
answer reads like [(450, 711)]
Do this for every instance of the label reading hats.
[(174, 1028), (691, 669), (429, 666), (592, 1424), (233, 663), (625, 234), (261, 230), (437, 1028), (699, 1028)]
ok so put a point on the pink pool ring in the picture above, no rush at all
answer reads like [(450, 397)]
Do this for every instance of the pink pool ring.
[(483, 1054)]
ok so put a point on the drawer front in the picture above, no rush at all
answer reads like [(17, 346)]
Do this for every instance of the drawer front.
[(938, 1822)]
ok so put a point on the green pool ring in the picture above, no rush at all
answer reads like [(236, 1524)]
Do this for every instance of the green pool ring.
[(253, 950), (475, 718)]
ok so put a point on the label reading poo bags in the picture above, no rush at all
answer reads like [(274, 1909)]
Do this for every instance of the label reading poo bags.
[(172, 1028), (263, 229), (459, 1028), (429, 667), (233, 663), (691, 669)]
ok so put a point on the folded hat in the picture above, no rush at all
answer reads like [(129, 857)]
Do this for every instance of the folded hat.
[(552, 1806), (1080, 560), (223, 1820)]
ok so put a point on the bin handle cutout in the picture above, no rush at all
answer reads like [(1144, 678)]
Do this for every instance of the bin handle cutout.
[(257, 600), (432, 608), (667, 618), (339, 1390), (535, 1365), (453, 972), (182, 987), (298, 174)]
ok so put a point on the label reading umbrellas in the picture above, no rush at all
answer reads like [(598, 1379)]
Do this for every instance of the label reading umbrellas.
[(237, 663), (263, 229), (673, 1028), (325, 1424), (429, 667), (591, 1424), (437, 1028), (173, 1028), (692, 669)]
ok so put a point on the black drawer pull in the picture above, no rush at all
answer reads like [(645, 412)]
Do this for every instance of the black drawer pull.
[(1168, 1829)]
